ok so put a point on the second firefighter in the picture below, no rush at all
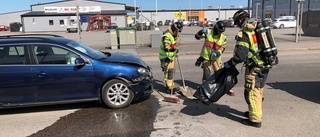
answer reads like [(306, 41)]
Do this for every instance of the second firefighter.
[(167, 53)]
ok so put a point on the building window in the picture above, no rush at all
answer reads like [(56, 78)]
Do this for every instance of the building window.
[(283, 1), (268, 2), (316, 1), (61, 22), (50, 22)]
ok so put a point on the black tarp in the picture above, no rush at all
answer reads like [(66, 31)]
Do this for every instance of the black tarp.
[(217, 85)]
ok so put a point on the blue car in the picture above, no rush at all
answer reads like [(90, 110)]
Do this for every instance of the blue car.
[(45, 70)]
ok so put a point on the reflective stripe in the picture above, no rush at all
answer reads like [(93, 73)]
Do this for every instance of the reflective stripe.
[(241, 43), (162, 53), (252, 102), (211, 44), (253, 49)]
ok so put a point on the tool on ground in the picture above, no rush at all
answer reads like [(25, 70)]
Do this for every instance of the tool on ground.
[(169, 99), (185, 90)]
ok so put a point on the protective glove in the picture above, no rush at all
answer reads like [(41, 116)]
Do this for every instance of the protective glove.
[(204, 31), (198, 62), (215, 54), (226, 64)]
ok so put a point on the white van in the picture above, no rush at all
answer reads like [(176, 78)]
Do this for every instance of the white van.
[(287, 17)]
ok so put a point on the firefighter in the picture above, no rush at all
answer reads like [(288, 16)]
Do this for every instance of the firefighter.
[(256, 72), (213, 47), (168, 52)]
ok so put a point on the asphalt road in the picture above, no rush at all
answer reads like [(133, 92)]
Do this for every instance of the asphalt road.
[(291, 108)]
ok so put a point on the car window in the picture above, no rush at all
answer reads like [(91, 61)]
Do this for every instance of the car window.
[(48, 54), (12, 55), (86, 50)]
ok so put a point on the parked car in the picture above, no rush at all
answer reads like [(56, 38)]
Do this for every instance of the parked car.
[(167, 22), (113, 26), (160, 23), (287, 17), (283, 23), (4, 28), (140, 26), (42, 70), (186, 23), (211, 23), (229, 23)]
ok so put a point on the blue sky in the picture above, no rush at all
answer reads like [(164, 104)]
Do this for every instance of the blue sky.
[(20, 5)]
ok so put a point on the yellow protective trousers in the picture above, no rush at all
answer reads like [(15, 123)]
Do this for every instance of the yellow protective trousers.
[(208, 66), (168, 74), (255, 79)]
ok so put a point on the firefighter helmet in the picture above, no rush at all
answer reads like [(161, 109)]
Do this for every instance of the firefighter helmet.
[(219, 27), (177, 26), (239, 16)]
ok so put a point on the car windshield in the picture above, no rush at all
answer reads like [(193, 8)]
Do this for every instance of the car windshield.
[(86, 50)]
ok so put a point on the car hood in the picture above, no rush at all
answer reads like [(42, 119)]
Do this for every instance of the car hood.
[(126, 58)]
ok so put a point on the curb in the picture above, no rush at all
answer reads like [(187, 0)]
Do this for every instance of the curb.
[(197, 53)]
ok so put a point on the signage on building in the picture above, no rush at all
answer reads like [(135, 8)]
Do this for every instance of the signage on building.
[(85, 9), (179, 15), (268, 8)]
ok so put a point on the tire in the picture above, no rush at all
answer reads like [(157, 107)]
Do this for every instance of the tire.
[(281, 26), (117, 94)]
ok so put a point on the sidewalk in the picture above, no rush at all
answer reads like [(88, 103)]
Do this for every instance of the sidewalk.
[(194, 49), (188, 45)]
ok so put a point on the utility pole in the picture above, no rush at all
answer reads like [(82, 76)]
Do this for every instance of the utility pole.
[(257, 9), (78, 24), (219, 8), (249, 6), (263, 4), (156, 13), (298, 22), (135, 12)]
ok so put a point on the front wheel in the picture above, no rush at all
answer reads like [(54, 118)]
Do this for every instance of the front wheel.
[(281, 26), (117, 94)]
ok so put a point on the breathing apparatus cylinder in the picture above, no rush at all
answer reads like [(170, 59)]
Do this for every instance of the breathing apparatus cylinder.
[(270, 38), (266, 43)]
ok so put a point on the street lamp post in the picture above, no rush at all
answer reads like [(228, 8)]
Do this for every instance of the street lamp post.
[(156, 14), (298, 27), (219, 8), (257, 8), (135, 12), (300, 20)]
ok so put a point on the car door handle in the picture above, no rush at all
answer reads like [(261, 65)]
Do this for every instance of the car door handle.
[(41, 74)]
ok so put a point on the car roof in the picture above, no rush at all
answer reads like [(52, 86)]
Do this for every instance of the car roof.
[(33, 38)]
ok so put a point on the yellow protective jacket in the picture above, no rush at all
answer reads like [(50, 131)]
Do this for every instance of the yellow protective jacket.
[(211, 44), (247, 49), (168, 46)]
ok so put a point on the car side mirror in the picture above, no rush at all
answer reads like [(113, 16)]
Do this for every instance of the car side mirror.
[(79, 62)]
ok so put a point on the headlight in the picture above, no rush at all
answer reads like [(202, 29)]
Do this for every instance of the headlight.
[(144, 72)]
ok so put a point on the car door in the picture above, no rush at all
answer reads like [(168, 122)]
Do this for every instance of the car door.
[(57, 78), (17, 84), (292, 23)]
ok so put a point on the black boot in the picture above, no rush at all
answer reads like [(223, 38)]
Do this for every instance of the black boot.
[(246, 114), (249, 123), (174, 90)]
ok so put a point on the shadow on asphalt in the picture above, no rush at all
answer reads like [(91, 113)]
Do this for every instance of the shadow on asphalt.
[(197, 108), (305, 90)]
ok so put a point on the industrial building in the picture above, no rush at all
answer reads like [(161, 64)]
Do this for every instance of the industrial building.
[(57, 16), (276, 8), (96, 15)]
